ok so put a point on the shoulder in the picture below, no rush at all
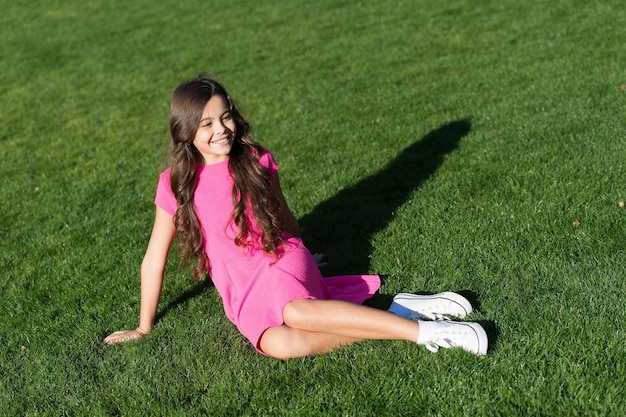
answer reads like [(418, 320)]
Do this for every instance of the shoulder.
[(164, 195), (165, 173), (164, 177)]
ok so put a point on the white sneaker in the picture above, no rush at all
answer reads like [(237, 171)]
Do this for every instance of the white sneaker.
[(440, 306), (468, 336)]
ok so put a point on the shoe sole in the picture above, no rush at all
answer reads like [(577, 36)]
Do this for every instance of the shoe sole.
[(448, 296)]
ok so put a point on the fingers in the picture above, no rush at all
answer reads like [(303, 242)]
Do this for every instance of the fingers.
[(112, 338), (320, 259), (121, 336), (318, 256)]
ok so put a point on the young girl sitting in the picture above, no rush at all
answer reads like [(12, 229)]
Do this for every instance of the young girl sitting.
[(222, 200)]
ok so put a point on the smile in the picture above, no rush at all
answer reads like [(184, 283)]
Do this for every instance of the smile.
[(221, 142)]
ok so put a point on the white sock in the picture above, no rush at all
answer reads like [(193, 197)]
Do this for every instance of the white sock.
[(427, 331)]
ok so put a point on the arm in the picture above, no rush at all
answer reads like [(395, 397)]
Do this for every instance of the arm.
[(290, 223), (152, 270)]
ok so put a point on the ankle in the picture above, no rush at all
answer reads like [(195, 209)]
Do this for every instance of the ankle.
[(427, 331)]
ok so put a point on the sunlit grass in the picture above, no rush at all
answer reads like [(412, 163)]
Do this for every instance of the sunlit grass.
[(467, 146)]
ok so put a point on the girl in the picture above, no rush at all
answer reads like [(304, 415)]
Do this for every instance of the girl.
[(221, 198)]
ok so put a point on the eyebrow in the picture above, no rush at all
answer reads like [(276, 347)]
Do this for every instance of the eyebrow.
[(222, 115)]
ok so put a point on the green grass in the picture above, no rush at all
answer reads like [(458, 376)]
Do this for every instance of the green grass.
[(446, 145)]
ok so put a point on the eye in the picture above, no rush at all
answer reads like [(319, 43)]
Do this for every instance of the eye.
[(207, 124), (227, 116)]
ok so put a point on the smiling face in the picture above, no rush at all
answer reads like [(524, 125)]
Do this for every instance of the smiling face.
[(216, 131)]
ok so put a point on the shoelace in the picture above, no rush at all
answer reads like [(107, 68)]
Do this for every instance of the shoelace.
[(429, 316), (445, 338), (435, 344)]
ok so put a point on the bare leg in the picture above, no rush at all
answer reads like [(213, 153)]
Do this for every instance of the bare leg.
[(284, 342), (348, 319), (318, 326)]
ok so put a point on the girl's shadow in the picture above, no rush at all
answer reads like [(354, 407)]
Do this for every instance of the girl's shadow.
[(343, 226)]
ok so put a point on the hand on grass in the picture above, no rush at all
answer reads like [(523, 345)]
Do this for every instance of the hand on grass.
[(320, 259), (124, 336)]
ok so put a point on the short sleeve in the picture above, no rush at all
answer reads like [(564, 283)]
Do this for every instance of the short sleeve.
[(164, 195), (267, 160)]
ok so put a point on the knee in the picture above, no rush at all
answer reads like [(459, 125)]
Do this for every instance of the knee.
[(281, 343), (296, 313), (277, 351)]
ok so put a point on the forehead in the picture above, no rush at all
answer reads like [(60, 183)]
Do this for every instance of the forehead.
[(215, 107)]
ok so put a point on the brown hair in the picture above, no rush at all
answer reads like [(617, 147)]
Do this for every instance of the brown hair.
[(251, 190)]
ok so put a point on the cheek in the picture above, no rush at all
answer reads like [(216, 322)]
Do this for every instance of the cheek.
[(203, 135)]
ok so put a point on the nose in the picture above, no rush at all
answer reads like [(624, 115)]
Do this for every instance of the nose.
[(222, 128)]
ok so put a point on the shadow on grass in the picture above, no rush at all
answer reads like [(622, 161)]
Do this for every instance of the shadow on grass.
[(343, 226), (195, 290)]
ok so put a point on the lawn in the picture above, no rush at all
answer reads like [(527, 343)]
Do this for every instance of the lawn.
[(474, 146)]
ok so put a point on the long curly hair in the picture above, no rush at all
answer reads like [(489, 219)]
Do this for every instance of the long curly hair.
[(251, 190)]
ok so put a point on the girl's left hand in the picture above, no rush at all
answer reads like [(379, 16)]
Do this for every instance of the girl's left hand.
[(320, 259)]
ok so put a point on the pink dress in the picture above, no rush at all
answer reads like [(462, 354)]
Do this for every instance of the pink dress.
[(254, 288)]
